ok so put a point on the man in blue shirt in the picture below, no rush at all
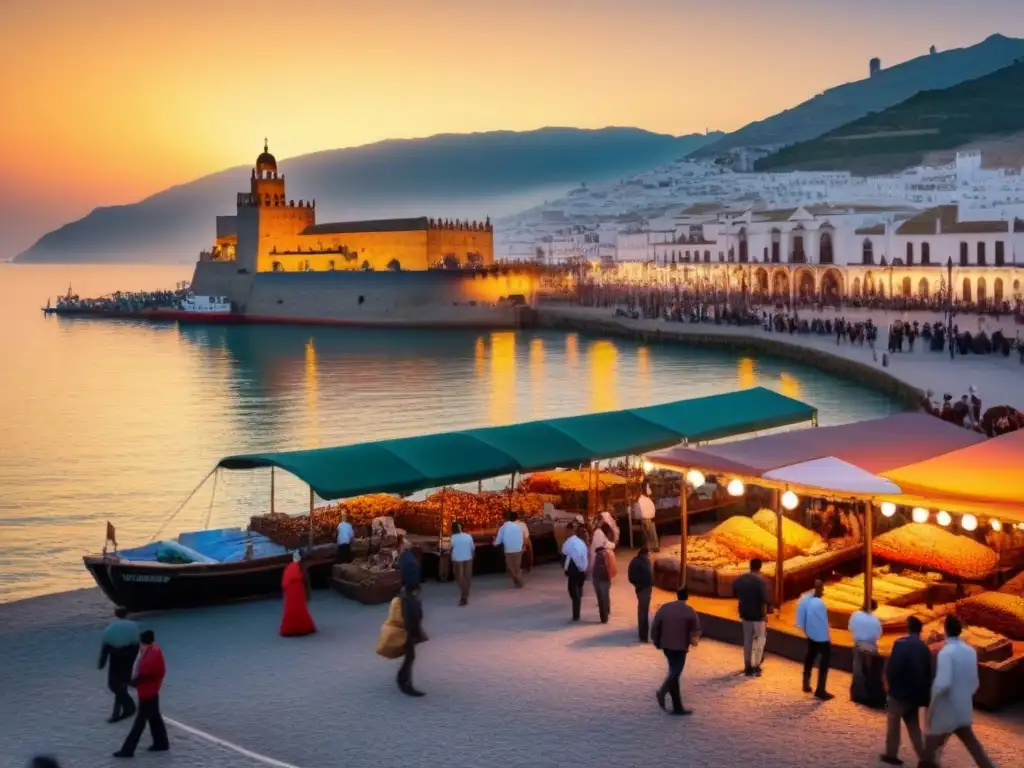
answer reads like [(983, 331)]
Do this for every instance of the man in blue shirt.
[(812, 618)]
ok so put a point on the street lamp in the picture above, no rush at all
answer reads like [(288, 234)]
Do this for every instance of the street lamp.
[(949, 307)]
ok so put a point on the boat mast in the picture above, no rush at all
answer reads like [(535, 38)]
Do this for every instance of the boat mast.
[(271, 490), (311, 518)]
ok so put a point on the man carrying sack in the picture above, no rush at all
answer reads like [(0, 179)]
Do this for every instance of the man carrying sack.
[(401, 633)]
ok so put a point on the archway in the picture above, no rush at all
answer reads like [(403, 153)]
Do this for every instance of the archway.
[(831, 286), (922, 288), (906, 287), (997, 290), (965, 291), (780, 283), (761, 280), (982, 290), (856, 286), (805, 284)]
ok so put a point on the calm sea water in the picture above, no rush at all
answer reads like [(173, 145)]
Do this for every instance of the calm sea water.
[(119, 421)]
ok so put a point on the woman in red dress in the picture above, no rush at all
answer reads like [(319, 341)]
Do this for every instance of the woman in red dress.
[(295, 619)]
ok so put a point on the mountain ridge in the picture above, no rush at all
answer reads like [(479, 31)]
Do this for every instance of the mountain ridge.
[(850, 101), (454, 175)]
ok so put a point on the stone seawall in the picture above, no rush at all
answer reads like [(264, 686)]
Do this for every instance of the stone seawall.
[(736, 338), (421, 299)]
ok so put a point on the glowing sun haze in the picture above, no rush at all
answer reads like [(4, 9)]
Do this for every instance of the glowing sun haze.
[(107, 101)]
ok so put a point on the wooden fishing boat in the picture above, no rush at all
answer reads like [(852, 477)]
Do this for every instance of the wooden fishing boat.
[(135, 580)]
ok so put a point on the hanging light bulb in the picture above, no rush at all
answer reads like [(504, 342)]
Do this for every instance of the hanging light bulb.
[(648, 467), (968, 522), (996, 525), (735, 487), (790, 500), (919, 515), (943, 518), (695, 478), (888, 509)]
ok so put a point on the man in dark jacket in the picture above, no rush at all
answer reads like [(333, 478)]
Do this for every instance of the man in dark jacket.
[(408, 566), (118, 654), (751, 591), (641, 576), (412, 618), (675, 630), (909, 675)]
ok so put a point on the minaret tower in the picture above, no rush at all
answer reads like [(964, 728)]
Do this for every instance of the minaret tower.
[(266, 186)]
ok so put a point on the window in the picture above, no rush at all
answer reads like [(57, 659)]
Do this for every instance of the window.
[(1000, 253), (825, 255), (707, 257), (963, 254), (910, 259), (926, 254), (867, 252), (981, 256), (798, 256)]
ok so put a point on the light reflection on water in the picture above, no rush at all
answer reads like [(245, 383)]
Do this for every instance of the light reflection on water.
[(119, 421)]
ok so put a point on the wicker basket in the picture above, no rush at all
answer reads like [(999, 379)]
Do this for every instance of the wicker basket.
[(371, 592)]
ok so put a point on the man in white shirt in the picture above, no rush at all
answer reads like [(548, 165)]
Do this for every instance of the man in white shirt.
[(345, 536), (812, 618), (867, 687), (575, 562), (463, 548), (510, 537), (527, 560), (645, 511)]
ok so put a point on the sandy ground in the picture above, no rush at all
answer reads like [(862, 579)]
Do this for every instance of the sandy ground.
[(510, 681)]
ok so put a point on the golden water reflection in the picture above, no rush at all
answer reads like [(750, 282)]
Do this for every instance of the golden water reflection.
[(503, 377), (536, 377), (604, 358), (746, 377), (790, 385), (643, 374), (572, 350), (310, 382)]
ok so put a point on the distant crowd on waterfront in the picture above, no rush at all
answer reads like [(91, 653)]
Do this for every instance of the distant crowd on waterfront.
[(122, 301)]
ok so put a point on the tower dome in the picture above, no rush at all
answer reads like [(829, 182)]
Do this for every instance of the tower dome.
[(266, 161)]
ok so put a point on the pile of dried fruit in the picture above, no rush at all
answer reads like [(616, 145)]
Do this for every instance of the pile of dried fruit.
[(996, 611), (928, 546)]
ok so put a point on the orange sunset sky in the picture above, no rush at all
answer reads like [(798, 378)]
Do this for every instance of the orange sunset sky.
[(107, 101)]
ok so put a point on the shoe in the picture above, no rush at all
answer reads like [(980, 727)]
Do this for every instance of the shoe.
[(748, 671), (757, 671), (121, 753), (408, 690), (824, 695), (660, 695), (463, 601), (681, 712), (890, 760), (155, 748), (807, 688)]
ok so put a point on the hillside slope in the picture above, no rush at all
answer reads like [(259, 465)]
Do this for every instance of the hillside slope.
[(989, 107), (451, 175), (845, 103)]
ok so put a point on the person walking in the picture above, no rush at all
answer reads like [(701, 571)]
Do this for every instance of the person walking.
[(412, 620), (574, 550), (812, 619), (674, 631), (641, 576), (645, 511), (463, 548), (866, 683), (147, 677), (510, 537), (295, 617), (602, 574), (345, 535), (909, 674), (952, 705), (527, 561), (120, 648), (751, 593)]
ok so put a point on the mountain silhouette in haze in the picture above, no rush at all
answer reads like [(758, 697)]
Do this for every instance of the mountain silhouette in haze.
[(845, 103), (988, 109), (449, 175)]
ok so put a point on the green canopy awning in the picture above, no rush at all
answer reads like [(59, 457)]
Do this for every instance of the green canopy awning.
[(431, 461)]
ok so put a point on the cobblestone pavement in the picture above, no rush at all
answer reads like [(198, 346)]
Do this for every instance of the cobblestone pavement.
[(1000, 380), (510, 681)]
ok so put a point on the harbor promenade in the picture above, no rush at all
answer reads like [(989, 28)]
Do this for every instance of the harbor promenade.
[(1000, 380), (510, 681)]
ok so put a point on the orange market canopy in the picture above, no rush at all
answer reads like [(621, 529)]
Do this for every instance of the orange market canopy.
[(875, 446), (986, 478)]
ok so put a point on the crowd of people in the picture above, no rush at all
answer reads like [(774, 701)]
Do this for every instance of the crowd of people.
[(124, 301)]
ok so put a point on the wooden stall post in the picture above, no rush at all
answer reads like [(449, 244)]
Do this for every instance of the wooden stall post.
[(629, 505), (684, 527), (271, 490), (780, 552), (869, 566), (311, 517)]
